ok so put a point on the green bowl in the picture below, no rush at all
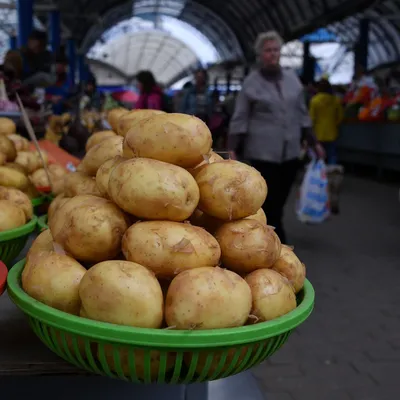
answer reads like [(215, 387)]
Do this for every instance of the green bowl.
[(42, 222), (156, 355), (38, 201), (13, 241)]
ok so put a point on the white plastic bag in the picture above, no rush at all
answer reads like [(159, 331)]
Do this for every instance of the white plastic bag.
[(313, 200)]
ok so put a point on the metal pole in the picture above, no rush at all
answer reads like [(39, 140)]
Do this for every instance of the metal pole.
[(362, 46), (55, 30), (25, 20), (72, 61), (13, 42), (82, 68)]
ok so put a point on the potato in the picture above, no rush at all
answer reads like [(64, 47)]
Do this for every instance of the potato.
[(57, 173), (58, 202), (177, 139), (153, 190), (3, 159), (11, 216), (7, 147), (45, 158), (53, 279), (104, 172), (140, 359), (247, 245), (7, 126), (291, 268), (127, 121), (122, 293), (272, 294), (168, 248), (99, 154), (12, 178), (18, 198), (97, 138), (113, 117), (78, 183), (211, 224), (39, 178), (42, 244), (230, 190), (259, 216), (17, 167), (210, 158), (89, 228), (20, 143), (31, 191), (207, 298), (29, 161)]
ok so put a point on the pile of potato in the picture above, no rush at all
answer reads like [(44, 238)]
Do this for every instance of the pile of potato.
[(15, 208), (22, 168), (157, 231)]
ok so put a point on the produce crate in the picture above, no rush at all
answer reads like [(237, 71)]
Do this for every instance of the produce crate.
[(151, 355), (13, 241), (42, 222), (3, 277)]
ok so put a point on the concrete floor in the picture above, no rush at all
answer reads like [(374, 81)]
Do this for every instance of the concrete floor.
[(350, 347)]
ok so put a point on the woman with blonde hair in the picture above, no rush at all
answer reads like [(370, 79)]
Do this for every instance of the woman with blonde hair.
[(269, 121)]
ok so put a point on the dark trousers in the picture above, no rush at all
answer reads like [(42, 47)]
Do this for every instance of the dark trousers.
[(280, 179)]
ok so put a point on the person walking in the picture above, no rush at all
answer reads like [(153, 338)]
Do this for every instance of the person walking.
[(268, 123), (151, 95), (326, 113), (196, 99)]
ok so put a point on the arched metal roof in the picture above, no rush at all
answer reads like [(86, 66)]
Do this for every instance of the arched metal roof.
[(151, 50), (233, 25)]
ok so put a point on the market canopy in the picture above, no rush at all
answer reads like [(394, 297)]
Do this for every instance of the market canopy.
[(233, 25)]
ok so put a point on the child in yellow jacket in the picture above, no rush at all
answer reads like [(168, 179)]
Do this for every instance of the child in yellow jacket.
[(326, 113)]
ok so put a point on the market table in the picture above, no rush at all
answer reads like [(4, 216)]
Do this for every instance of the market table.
[(27, 366)]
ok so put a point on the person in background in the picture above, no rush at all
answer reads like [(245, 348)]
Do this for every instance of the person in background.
[(91, 99), (267, 125), (11, 72), (59, 93), (326, 113), (197, 100), (37, 61), (151, 95)]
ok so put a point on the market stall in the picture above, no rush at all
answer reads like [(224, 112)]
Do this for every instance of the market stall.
[(373, 144)]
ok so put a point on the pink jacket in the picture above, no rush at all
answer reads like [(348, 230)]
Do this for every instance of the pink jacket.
[(151, 101)]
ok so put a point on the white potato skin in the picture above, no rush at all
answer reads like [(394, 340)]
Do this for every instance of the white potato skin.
[(18, 198), (97, 138), (153, 190), (89, 228), (207, 298), (272, 294), (104, 173), (247, 245), (168, 248), (230, 190), (178, 139), (122, 293), (54, 279), (11, 216), (99, 154), (289, 265), (78, 183), (129, 120)]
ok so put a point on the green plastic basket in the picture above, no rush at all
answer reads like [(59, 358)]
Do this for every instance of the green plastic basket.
[(13, 241), (38, 201), (42, 222), (151, 355)]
